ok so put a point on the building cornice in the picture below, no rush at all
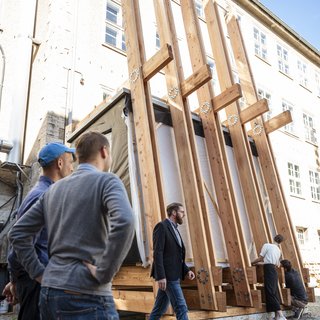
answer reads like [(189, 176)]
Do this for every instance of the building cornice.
[(281, 29)]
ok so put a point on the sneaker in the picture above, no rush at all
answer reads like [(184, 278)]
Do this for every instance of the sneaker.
[(298, 313)]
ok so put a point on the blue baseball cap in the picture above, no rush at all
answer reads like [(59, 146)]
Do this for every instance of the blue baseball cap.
[(52, 151)]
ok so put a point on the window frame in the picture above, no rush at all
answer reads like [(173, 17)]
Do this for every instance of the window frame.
[(303, 73), (260, 44), (310, 133), (294, 176), (283, 59), (286, 105), (314, 179)]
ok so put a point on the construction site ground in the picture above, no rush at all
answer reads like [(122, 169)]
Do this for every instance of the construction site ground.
[(312, 313)]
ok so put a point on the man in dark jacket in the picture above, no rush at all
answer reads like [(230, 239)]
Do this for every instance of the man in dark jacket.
[(169, 265), (299, 298)]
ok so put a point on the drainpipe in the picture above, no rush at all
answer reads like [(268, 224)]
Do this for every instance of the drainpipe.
[(3, 72)]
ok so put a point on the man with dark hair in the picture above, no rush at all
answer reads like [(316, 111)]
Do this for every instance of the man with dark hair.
[(270, 256), (299, 298), (56, 161), (90, 230), (169, 265)]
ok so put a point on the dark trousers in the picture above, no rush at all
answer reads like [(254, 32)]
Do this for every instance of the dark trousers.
[(271, 287), (28, 292)]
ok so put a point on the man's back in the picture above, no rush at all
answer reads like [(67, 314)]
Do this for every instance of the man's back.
[(76, 211), (294, 282)]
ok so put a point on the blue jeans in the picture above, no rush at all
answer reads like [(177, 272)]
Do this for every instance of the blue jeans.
[(61, 305), (174, 295)]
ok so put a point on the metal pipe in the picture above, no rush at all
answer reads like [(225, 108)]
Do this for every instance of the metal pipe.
[(2, 75)]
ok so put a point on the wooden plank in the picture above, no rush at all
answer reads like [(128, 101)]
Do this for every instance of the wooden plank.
[(187, 156), (311, 294), (281, 217), (252, 275), (305, 275), (217, 157), (133, 276), (135, 301), (196, 80), (253, 111), (257, 298), (278, 121), (157, 62), (223, 99), (143, 122), (286, 296), (241, 149)]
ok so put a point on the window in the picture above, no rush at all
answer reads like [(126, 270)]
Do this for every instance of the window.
[(157, 41), (283, 61), (310, 131), (114, 34), (303, 73), (315, 185), (264, 94), (294, 179), (213, 69), (199, 8), (260, 44), (301, 235), (319, 236), (317, 79), (288, 106)]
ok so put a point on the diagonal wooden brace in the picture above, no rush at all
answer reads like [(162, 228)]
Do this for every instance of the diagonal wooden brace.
[(157, 62), (278, 121), (196, 80), (254, 111)]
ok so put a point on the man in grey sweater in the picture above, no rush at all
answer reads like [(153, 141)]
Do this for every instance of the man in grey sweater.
[(90, 229)]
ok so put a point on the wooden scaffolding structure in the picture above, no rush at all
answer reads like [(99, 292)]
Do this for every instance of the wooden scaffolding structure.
[(217, 292)]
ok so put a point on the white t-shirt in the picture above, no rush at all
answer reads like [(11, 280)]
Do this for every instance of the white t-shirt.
[(271, 254)]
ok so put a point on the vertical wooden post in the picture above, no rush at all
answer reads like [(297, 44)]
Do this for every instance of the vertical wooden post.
[(269, 171), (233, 236), (239, 139), (188, 162), (143, 120)]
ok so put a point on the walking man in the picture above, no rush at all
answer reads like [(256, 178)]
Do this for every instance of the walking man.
[(270, 256), (299, 298), (169, 265), (56, 161), (90, 230)]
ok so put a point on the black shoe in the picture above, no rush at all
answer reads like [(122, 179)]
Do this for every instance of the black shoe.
[(298, 313)]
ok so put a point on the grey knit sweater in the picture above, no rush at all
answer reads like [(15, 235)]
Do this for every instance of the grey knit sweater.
[(88, 218)]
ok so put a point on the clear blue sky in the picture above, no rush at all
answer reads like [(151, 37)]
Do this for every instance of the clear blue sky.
[(303, 16)]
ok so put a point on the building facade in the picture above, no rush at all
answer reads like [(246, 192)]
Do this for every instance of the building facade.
[(67, 57)]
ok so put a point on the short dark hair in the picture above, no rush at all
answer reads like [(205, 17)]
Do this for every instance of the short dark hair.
[(174, 206), (286, 264), (278, 238), (89, 144)]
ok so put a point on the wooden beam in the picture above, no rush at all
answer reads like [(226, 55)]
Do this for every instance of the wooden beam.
[(157, 62), (305, 275), (225, 98), (311, 294), (196, 80), (194, 194), (278, 121), (148, 156), (135, 301), (255, 110), (286, 296), (279, 208), (241, 149), (217, 156), (133, 276), (228, 96)]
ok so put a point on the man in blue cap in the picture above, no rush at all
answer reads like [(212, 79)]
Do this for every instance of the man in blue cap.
[(56, 160)]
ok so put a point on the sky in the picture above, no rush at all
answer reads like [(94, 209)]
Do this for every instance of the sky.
[(303, 16)]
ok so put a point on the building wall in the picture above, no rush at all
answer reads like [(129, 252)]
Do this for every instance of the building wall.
[(74, 69)]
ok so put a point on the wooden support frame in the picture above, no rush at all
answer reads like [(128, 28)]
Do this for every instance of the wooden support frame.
[(194, 193), (280, 213), (217, 155), (278, 121), (144, 117), (239, 139)]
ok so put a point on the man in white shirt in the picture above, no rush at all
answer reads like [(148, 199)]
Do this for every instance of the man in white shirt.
[(270, 256)]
